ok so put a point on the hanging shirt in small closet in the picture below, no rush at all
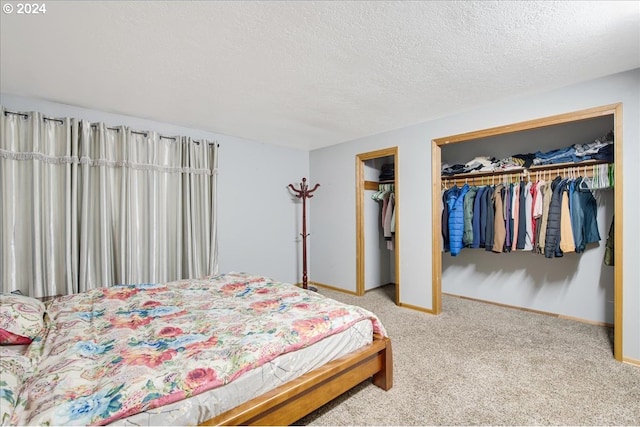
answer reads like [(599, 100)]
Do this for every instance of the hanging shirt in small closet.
[(388, 205)]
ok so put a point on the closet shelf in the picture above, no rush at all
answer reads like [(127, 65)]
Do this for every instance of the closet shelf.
[(373, 185), (582, 169)]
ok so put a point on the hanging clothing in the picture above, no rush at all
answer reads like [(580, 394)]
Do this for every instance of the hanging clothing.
[(522, 216), (508, 221), (515, 216), (567, 243), (387, 214), (499, 226), (547, 193), (609, 253), (528, 217), (455, 199), (478, 212), (589, 228), (445, 222), (552, 241), (469, 201), (550, 218), (393, 217), (488, 220), (536, 213)]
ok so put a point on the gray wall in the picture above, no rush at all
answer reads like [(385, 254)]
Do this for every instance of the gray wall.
[(258, 220), (333, 216)]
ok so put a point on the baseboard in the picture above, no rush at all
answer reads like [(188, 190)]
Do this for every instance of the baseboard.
[(403, 305), (531, 310), (416, 308), (630, 361), (378, 287), (333, 288)]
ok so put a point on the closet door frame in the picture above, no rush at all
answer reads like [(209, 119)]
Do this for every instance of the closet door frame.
[(361, 186), (436, 223)]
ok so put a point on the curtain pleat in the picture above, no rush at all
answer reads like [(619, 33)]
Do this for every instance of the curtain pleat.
[(85, 205)]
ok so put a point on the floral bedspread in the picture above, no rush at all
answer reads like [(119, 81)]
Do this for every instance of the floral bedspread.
[(113, 352)]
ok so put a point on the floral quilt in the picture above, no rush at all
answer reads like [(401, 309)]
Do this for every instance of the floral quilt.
[(113, 352)]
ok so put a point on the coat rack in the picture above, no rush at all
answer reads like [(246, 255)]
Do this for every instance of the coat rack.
[(304, 193)]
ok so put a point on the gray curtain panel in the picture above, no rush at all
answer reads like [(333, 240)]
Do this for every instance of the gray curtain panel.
[(37, 204), (85, 205)]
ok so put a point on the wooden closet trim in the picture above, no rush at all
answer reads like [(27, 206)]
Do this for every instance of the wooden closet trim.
[(361, 185), (436, 203)]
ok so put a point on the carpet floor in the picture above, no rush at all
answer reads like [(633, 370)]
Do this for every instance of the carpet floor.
[(481, 364)]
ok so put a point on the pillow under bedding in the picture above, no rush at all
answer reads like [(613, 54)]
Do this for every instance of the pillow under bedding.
[(21, 319)]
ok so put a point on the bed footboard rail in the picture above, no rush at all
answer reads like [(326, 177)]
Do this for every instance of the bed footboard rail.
[(288, 403)]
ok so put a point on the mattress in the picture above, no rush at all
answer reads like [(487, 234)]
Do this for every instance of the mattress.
[(180, 352), (202, 407)]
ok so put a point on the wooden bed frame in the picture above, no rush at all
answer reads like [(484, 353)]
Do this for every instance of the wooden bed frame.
[(288, 403)]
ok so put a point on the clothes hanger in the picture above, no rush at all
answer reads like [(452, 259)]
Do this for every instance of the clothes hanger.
[(585, 183), (604, 173)]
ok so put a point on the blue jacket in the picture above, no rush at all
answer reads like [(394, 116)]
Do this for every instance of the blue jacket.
[(584, 218), (455, 200)]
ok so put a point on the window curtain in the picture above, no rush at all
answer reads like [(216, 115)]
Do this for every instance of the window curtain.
[(85, 205)]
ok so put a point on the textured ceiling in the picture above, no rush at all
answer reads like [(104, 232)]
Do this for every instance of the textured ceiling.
[(309, 74)]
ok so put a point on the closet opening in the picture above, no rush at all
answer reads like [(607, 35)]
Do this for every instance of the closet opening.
[(576, 286), (377, 225)]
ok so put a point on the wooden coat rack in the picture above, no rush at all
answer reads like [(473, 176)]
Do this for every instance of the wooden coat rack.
[(304, 193)]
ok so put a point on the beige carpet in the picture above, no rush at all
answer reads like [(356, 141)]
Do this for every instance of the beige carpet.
[(480, 364)]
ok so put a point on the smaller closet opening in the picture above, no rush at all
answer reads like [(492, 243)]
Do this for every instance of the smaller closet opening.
[(377, 209), (379, 222)]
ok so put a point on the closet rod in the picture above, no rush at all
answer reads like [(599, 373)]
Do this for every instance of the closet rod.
[(584, 169)]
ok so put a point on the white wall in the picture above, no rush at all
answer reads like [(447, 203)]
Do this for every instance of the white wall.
[(334, 215), (258, 220)]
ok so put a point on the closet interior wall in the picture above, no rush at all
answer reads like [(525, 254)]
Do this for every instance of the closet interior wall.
[(380, 261), (576, 286)]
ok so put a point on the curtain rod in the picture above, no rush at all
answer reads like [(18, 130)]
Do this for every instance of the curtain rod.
[(26, 116), (173, 138)]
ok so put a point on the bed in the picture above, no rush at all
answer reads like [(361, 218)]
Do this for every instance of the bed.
[(232, 349)]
